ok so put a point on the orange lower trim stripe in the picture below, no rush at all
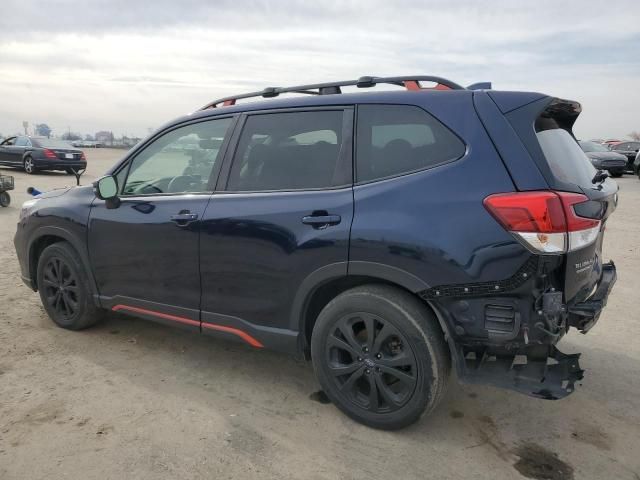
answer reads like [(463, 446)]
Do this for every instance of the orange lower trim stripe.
[(187, 321)]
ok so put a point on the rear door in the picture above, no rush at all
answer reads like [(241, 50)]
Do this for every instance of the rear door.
[(15, 152), (282, 211)]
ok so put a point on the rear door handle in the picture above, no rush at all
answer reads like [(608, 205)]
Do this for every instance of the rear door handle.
[(321, 221), (184, 218)]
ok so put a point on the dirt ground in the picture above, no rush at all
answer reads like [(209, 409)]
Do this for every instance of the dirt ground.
[(131, 399)]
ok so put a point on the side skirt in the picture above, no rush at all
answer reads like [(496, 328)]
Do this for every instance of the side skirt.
[(217, 325)]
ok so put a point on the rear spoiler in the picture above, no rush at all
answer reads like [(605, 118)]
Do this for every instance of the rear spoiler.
[(480, 86)]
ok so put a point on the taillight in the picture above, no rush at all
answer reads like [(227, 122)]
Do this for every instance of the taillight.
[(545, 221), (82, 157), (50, 153)]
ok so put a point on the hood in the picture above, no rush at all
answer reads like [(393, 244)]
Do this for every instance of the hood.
[(81, 191), (56, 192), (605, 156)]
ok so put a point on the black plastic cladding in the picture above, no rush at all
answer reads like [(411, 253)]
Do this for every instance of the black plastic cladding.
[(525, 272)]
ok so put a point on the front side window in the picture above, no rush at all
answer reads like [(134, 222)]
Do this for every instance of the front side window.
[(397, 139), (289, 151), (180, 161)]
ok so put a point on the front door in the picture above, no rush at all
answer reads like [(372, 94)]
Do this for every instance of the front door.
[(283, 213), (145, 252)]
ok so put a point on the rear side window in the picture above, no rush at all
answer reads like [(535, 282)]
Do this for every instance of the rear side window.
[(289, 151), (565, 157), (397, 139)]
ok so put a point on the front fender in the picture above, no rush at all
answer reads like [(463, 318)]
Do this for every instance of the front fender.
[(59, 232)]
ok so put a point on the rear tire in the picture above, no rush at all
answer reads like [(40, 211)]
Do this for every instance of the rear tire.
[(5, 199), (63, 287), (616, 174), (29, 166), (380, 356)]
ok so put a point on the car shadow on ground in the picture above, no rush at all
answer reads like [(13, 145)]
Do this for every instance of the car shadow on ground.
[(210, 358)]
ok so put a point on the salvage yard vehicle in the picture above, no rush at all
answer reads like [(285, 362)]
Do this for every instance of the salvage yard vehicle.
[(34, 154), (386, 235), (604, 159), (628, 149)]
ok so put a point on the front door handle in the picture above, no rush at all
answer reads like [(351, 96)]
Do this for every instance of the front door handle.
[(184, 218), (321, 221)]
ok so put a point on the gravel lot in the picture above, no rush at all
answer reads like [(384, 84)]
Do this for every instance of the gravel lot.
[(131, 399)]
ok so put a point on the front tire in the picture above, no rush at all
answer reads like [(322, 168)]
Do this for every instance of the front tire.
[(29, 166), (380, 356), (63, 286), (616, 174), (5, 199)]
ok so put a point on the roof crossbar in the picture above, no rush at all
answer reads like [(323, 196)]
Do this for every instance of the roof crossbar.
[(409, 82)]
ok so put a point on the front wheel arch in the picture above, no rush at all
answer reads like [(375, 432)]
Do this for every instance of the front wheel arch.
[(45, 236)]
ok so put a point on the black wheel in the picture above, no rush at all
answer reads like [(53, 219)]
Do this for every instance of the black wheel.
[(380, 356), (62, 283), (29, 166), (616, 174), (5, 199)]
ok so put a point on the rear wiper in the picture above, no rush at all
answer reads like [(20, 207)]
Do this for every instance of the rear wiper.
[(599, 177)]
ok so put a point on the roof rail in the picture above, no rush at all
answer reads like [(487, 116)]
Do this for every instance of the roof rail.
[(409, 82)]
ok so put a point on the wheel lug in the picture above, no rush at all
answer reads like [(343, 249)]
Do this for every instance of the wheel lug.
[(367, 371), (379, 356), (365, 349), (378, 369), (359, 359)]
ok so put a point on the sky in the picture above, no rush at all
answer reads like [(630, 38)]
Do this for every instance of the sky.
[(129, 66)]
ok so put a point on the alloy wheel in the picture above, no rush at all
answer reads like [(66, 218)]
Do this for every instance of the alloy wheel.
[(371, 362), (28, 165), (60, 288)]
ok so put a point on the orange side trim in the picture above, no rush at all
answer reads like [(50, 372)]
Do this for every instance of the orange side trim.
[(187, 321)]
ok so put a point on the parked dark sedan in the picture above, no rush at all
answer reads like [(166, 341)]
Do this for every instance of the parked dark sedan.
[(34, 153), (604, 159), (628, 149)]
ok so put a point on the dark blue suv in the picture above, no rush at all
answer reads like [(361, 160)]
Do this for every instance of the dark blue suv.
[(386, 235)]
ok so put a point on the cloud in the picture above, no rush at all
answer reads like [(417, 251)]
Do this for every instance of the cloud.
[(119, 65)]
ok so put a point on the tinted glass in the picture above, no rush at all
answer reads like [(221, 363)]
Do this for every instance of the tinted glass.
[(180, 161), (289, 151), (396, 139), (22, 142), (565, 158), (593, 147)]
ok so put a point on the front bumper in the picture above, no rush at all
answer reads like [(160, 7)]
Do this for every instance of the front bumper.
[(584, 315)]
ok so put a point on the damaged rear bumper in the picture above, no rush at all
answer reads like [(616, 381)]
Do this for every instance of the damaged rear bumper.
[(584, 315), (550, 378)]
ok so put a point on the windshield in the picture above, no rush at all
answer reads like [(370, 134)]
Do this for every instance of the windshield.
[(593, 147), (50, 143)]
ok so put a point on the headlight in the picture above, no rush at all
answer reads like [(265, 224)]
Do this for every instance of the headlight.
[(27, 207)]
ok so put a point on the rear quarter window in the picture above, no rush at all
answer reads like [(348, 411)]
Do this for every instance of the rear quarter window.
[(397, 139), (566, 159)]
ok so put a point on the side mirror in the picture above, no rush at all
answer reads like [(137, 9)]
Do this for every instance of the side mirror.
[(106, 188)]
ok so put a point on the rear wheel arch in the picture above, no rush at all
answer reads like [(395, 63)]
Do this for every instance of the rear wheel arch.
[(318, 297)]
